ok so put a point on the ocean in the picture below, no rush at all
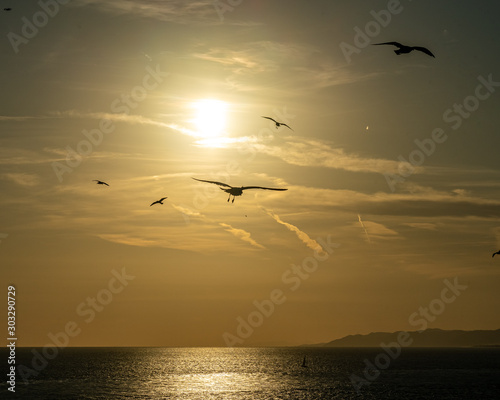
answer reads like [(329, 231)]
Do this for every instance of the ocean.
[(257, 373)]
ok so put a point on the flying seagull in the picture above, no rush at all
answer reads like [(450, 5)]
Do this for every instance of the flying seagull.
[(235, 191), (498, 252), (100, 182), (278, 124), (158, 201), (402, 49)]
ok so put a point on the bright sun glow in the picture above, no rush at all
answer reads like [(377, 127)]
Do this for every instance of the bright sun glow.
[(210, 117)]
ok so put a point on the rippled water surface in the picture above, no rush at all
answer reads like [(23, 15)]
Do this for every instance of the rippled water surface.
[(258, 373)]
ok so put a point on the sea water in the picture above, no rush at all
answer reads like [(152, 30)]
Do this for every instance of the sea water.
[(258, 373)]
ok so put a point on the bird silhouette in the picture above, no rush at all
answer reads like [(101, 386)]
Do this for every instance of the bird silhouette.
[(100, 182), (403, 49), (498, 252), (236, 191), (278, 124), (158, 201), (7, 9)]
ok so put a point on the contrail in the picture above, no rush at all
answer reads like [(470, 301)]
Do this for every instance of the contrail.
[(304, 237), (241, 234), (364, 228)]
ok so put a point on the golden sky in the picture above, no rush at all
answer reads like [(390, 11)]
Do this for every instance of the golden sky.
[(392, 170)]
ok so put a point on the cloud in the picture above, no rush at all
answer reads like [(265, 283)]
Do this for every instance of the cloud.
[(22, 179), (240, 61), (422, 225), (129, 240), (19, 118), (380, 231), (18, 156), (315, 153), (199, 238), (241, 234), (188, 213), (180, 11), (419, 202), (304, 237), (312, 68), (326, 74), (126, 118)]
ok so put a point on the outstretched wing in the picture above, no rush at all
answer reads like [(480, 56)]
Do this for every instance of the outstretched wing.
[(286, 126), (393, 43), (498, 252), (424, 50), (259, 187), (269, 118), (158, 201), (217, 183)]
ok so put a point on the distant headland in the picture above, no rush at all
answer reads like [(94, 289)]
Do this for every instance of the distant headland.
[(426, 338)]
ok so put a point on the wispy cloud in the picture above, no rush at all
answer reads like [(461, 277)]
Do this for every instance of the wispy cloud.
[(304, 237), (180, 11), (315, 153), (126, 118), (422, 225), (311, 67), (188, 213), (380, 231), (22, 179), (239, 61), (19, 118), (18, 156), (241, 234), (202, 141), (417, 201), (130, 240), (326, 74)]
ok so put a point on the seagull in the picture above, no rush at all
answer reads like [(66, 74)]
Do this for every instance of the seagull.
[(158, 201), (100, 182), (235, 191), (278, 124), (406, 49), (498, 252), (7, 9)]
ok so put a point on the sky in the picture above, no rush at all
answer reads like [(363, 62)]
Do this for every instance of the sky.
[(392, 211)]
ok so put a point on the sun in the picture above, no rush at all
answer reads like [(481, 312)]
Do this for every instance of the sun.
[(210, 117)]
